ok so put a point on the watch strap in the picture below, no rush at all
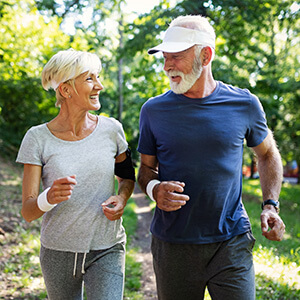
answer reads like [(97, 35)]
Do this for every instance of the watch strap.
[(271, 202)]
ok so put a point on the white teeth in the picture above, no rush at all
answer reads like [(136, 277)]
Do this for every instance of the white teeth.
[(93, 97)]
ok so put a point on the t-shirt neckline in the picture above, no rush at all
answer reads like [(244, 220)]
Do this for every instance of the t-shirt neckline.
[(76, 141)]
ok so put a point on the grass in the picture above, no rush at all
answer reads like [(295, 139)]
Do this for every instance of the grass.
[(289, 249), (277, 263), (133, 268)]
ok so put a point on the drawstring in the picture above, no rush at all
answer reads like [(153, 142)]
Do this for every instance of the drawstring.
[(75, 264), (83, 261)]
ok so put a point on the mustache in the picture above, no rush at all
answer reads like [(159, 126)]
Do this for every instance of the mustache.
[(174, 73)]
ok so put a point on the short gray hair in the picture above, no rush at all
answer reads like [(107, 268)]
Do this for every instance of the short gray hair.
[(196, 22), (65, 66)]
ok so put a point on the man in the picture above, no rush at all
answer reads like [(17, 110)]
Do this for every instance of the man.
[(191, 144)]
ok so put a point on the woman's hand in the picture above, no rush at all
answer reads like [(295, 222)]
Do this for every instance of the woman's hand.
[(113, 207), (61, 189)]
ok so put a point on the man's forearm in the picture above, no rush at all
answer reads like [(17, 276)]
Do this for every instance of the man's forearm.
[(145, 175), (270, 173)]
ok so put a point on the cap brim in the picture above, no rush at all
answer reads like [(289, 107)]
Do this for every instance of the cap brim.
[(170, 47)]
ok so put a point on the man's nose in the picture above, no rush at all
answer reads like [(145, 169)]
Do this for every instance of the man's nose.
[(168, 65)]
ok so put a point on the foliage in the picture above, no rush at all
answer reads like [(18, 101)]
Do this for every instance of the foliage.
[(17, 115), (133, 275), (28, 41), (260, 42), (256, 48), (273, 290), (130, 220)]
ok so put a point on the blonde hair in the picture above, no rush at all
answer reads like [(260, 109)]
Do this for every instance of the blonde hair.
[(65, 66)]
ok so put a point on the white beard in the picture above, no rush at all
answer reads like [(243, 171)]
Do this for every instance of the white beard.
[(187, 80)]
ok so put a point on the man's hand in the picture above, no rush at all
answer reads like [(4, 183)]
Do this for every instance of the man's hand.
[(271, 219), (167, 195)]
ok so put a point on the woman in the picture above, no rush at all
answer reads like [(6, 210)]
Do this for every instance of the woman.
[(77, 155)]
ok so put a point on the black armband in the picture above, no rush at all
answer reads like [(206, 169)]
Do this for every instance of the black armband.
[(125, 168)]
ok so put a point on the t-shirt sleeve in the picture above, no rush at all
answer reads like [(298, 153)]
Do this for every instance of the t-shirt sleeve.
[(257, 128), (147, 142), (29, 152), (122, 144)]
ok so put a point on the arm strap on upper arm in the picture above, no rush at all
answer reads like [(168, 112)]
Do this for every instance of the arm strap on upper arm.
[(125, 168)]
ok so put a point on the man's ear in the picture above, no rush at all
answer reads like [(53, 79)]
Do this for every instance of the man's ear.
[(206, 55)]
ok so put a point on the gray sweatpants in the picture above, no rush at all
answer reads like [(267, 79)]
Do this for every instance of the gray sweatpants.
[(101, 273), (183, 271)]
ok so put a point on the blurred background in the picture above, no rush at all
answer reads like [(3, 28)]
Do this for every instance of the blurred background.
[(257, 48)]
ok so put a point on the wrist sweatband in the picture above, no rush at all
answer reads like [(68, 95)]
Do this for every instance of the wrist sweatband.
[(43, 203), (150, 186)]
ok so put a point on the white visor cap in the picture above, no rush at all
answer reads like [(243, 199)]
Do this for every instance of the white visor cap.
[(178, 39)]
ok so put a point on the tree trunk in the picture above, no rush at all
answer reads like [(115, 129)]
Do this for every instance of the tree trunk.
[(120, 68), (253, 166)]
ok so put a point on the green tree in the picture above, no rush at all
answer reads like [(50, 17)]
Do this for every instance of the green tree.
[(27, 42), (256, 48), (259, 40)]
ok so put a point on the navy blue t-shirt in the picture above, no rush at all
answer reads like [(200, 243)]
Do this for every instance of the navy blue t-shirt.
[(200, 142)]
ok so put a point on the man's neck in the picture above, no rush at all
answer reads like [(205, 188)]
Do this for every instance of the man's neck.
[(203, 87)]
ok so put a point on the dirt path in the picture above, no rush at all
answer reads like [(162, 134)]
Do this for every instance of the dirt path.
[(142, 241)]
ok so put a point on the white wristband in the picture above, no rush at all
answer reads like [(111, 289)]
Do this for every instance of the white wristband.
[(150, 186), (43, 203)]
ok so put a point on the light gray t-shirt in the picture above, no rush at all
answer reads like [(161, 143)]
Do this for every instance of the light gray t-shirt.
[(78, 225)]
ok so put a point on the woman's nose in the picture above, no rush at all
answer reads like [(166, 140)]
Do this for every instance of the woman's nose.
[(99, 85)]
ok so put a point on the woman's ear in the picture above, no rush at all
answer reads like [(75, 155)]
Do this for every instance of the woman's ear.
[(64, 90)]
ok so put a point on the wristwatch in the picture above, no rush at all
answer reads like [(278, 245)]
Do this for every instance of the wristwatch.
[(271, 202)]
